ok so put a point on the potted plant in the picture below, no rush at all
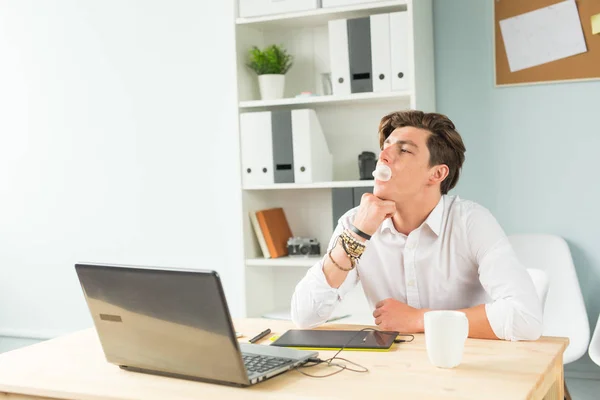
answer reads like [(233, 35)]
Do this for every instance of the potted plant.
[(270, 65)]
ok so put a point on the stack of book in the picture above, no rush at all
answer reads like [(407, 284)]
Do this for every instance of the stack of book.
[(272, 230)]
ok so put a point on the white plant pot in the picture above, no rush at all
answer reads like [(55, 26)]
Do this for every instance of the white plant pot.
[(271, 86)]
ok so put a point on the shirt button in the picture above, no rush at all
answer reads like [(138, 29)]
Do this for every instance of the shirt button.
[(411, 283)]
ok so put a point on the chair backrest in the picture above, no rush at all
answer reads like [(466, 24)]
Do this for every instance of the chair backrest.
[(564, 309), (595, 344), (541, 282)]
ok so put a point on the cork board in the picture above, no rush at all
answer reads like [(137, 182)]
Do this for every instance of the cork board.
[(583, 66)]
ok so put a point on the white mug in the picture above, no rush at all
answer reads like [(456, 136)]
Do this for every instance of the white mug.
[(445, 336)]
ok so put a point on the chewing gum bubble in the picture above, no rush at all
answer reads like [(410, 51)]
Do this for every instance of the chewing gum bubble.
[(382, 172)]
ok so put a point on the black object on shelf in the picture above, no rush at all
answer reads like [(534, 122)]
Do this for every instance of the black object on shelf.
[(367, 161)]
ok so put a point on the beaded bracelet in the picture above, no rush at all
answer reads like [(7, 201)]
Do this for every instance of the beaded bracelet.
[(352, 263)]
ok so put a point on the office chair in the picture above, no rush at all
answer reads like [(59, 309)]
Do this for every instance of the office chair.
[(564, 310), (594, 350)]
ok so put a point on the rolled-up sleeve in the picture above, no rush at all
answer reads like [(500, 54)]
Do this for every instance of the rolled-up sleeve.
[(314, 300), (515, 312)]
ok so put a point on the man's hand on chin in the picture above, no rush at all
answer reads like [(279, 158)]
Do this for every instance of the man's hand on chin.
[(393, 315)]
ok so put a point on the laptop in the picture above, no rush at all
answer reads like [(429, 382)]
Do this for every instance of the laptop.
[(175, 322)]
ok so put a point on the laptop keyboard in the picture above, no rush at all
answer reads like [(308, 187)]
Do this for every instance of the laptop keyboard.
[(259, 364)]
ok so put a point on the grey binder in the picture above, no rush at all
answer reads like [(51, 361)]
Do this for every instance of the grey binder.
[(344, 199), (359, 54), (283, 150), (358, 192)]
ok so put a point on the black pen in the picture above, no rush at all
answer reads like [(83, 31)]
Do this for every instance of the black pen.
[(260, 336)]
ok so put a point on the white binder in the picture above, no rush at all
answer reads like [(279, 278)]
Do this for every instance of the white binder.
[(380, 53), (312, 159), (257, 148), (338, 54), (399, 30)]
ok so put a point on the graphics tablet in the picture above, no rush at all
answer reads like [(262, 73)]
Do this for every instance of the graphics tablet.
[(336, 339)]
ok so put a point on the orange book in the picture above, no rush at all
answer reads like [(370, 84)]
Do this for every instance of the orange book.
[(275, 229)]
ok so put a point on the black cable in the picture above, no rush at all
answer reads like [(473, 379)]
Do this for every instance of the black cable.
[(341, 366), (412, 337), (317, 361)]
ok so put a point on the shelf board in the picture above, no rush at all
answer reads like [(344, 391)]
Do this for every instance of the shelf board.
[(315, 185), (283, 261), (320, 16), (326, 100)]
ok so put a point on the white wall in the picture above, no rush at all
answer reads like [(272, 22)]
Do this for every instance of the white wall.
[(118, 143)]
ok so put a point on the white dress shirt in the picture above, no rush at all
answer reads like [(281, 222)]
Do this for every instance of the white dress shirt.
[(458, 258)]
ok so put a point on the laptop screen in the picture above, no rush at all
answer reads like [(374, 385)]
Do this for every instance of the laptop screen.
[(163, 320)]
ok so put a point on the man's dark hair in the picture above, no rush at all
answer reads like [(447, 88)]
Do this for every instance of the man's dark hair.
[(445, 144)]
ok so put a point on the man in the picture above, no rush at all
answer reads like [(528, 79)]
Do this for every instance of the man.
[(415, 248)]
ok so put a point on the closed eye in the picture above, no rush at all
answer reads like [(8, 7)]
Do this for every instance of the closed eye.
[(402, 148)]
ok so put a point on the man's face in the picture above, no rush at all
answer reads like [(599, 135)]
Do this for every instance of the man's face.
[(405, 152)]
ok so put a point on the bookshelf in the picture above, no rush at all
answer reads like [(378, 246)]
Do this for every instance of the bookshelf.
[(349, 123), (315, 185), (300, 262), (331, 100), (322, 15)]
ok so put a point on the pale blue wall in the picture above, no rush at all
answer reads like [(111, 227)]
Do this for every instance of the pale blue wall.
[(532, 151)]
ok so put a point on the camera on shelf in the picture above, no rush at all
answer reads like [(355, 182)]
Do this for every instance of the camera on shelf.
[(298, 246)]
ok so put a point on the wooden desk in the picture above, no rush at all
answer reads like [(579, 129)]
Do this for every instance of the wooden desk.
[(74, 367)]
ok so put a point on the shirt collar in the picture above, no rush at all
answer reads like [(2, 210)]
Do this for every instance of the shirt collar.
[(434, 220)]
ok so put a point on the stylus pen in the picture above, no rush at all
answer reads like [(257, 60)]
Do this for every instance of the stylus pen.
[(260, 336)]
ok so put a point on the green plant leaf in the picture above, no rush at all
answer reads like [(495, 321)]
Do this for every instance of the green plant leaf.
[(273, 59)]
